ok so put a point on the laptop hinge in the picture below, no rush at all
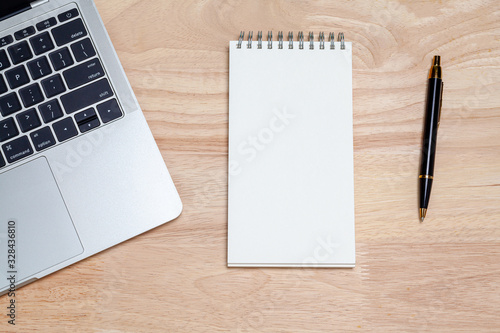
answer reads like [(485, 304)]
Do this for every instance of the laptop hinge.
[(23, 9), (38, 3)]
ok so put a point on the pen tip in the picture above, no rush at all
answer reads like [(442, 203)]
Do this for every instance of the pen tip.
[(421, 213), (437, 60)]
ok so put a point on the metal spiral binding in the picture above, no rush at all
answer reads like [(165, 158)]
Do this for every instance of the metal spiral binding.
[(322, 40), (341, 39), (280, 40), (240, 40), (250, 36), (300, 38)]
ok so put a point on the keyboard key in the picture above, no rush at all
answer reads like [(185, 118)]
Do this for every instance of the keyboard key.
[(48, 23), (17, 77), (3, 86), (53, 86), (50, 111), (109, 111), (43, 138), (28, 120), (17, 149), (39, 68), (83, 50), (69, 32), (87, 95), (2, 161), (6, 40), (84, 116), (8, 129), (68, 15), (4, 60), (41, 43), (61, 59), (24, 33), (20, 52), (84, 73), (87, 120), (31, 95), (91, 124), (9, 104), (65, 129)]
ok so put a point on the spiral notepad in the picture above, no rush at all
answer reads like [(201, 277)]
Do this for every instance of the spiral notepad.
[(291, 192)]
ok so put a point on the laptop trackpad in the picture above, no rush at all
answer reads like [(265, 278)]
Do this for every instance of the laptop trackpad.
[(45, 235)]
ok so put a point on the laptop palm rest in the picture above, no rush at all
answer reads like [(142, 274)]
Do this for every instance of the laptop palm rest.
[(44, 232)]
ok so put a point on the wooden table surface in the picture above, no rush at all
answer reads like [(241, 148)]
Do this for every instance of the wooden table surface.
[(441, 275)]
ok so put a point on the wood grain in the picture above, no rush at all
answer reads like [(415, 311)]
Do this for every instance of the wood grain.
[(442, 275)]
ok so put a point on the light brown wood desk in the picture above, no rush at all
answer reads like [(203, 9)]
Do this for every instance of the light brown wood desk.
[(440, 275)]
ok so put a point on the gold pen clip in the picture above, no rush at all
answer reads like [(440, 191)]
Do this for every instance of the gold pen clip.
[(440, 103)]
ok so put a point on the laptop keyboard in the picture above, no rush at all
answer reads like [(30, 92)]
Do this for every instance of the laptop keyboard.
[(53, 87)]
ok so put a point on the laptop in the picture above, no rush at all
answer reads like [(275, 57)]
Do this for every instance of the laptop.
[(79, 168)]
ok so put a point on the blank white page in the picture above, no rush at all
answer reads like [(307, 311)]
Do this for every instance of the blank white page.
[(291, 188)]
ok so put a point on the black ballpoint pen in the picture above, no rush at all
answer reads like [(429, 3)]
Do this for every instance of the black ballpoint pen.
[(432, 117)]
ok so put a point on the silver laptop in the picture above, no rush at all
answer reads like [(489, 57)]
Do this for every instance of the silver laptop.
[(79, 168)]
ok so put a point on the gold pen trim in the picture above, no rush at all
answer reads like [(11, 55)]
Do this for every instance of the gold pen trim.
[(421, 213), (435, 71), (426, 176)]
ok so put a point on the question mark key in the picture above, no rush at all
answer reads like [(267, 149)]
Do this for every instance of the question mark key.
[(50, 111)]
